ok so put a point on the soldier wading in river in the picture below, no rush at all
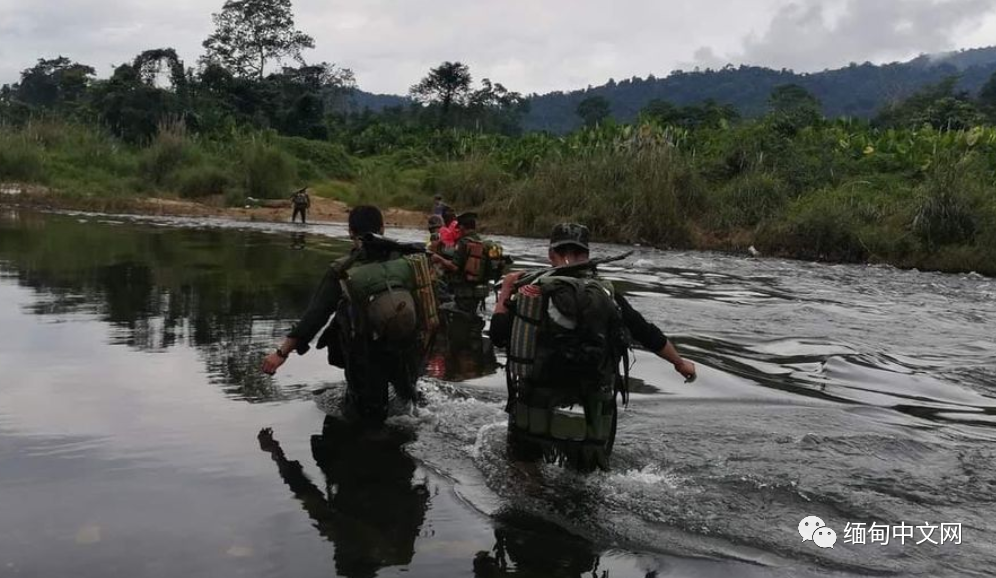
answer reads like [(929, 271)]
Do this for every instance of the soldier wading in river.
[(471, 268), (567, 333), (383, 310)]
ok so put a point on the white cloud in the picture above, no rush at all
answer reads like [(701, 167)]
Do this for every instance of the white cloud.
[(809, 35), (528, 45)]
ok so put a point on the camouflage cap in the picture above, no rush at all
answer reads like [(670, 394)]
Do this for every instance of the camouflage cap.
[(570, 234)]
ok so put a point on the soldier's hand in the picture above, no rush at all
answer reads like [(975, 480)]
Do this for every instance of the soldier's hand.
[(508, 283), (686, 369), (507, 288), (530, 291), (266, 441), (510, 279), (271, 363)]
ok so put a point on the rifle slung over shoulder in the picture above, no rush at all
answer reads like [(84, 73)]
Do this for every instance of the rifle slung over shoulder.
[(567, 269)]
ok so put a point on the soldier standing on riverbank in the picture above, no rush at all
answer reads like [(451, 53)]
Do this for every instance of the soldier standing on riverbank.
[(301, 202), (438, 206)]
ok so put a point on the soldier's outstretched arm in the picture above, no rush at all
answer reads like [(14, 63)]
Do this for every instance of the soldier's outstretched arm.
[(653, 339), (321, 308), (681, 365)]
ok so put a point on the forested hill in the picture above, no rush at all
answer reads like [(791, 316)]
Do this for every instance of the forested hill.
[(857, 90), (360, 100)]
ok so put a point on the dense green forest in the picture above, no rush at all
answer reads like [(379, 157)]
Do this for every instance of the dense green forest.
[(914, 185)]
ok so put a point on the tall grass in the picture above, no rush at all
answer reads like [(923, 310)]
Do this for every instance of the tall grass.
[(466, 183), (20, 158), (386, 185), (170, 149), (642, 197), (269, 173), (949, 202), (202, 181)]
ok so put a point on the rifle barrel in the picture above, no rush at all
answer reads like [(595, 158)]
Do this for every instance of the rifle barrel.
[(590, 264)]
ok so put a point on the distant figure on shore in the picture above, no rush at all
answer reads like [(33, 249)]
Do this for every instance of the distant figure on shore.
[(438, 206), (301, 202)]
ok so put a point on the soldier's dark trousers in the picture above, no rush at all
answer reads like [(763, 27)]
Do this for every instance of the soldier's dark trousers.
[(369, 373)]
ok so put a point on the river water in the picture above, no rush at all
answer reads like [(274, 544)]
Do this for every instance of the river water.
[(131, 409)]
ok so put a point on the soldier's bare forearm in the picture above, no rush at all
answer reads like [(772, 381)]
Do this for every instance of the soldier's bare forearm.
[(289, 345), (670, 354)]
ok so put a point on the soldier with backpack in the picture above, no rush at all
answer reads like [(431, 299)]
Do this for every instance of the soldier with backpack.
[(473, 266), (301, 202), (567, 332), (383, 308)]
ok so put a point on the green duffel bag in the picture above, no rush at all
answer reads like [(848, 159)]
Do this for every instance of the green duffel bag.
[(381, 297)]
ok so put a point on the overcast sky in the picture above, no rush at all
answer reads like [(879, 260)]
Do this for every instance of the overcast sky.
[(528, 45)]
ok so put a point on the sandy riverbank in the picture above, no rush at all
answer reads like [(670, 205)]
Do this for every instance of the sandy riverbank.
[(322, 209)]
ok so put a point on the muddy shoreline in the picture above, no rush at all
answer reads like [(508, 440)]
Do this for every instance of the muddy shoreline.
[(322, 210)]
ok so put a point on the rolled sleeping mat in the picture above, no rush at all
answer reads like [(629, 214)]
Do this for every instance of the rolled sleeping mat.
[(525, 329), (425, 292)]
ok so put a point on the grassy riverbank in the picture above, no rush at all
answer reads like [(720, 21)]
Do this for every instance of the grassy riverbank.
[(838, 191)]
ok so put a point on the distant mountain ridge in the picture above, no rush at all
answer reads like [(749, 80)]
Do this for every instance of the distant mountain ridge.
[(857, 90), (360, 100)]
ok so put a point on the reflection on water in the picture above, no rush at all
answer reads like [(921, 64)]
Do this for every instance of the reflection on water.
[(368, 507), (130, 348), (526, 546), (461, 357), (229, 294), (298, 241)]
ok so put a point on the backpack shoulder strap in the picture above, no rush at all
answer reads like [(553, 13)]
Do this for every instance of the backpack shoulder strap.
[(342, 264)]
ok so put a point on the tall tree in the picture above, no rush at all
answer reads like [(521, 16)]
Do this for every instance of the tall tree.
[(793, 107), (131, 107), (987, 97), (248, 33), (150, 64), (53, 82), (709, 114), (939, 105), (303, 96), (594, 110), (793, 99), (445, 85), (495, 108)]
